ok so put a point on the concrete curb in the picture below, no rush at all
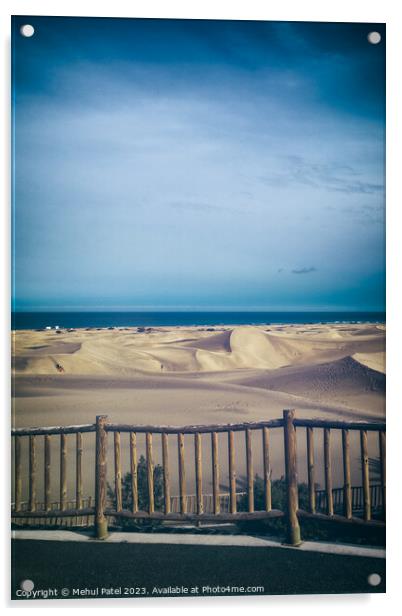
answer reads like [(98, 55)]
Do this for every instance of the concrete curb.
[(200, 540)]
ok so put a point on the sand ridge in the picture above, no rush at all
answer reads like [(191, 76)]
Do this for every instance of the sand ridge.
[(198, 375), (251, 370), (125, 352)]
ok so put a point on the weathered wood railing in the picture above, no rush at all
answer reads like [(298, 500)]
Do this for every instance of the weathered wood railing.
[(101, 510), (346, 427), (196, 432), (48, 434)]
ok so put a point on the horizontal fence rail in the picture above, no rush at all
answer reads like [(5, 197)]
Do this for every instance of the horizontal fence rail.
[(53, 430), (339, 425), (146, 492), (194, 429)]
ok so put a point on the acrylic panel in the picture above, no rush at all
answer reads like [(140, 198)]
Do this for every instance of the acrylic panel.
[(198, 310)]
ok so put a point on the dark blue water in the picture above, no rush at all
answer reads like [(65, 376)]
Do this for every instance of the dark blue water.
[(39, 320)]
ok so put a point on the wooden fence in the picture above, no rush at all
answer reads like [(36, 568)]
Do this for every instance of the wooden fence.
[(321, 504), (338, 498), (191, 506)]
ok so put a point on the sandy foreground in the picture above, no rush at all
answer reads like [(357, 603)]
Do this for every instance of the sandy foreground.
[(202, 375)]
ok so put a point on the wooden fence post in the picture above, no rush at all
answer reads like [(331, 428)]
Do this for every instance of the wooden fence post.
[(166, 474), (215, 474), (150, 472), (78, 471), (289, 433), (47, 472), (182, 473), (32, 473), (328, 471), (250, 472), (198, 472), (347, 483), (18, 474), (311, 468), (267, 469), (365, 475), (383, 469), (63, 471), (117, 472), (232, 473), (134, 471), (100, 477)]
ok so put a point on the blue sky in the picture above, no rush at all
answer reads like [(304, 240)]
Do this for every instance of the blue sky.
[(167, 164)]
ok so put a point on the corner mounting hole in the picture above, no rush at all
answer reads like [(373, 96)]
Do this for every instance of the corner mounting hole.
[(374, 38), (27, 585), (374, 579), (27, 30)]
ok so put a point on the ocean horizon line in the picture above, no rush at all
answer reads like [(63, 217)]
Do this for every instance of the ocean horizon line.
[(194, 310), (103, 319)]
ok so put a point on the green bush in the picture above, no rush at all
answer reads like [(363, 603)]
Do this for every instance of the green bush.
[(279, 501), (278, 494), (143, 500), (311, 529)]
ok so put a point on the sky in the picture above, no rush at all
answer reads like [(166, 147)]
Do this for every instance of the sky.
[(198, 165)]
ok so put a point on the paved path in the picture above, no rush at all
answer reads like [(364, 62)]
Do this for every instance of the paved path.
[(94, 569), (202, 539)]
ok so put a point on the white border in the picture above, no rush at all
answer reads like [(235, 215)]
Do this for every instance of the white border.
[(291, 10)]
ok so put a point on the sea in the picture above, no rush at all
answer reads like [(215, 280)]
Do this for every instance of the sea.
[(75, 320)]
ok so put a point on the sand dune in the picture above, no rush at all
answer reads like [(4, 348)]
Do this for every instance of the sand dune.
[(193, 375), (344, 381), (124, 353), (220, 342), (338, 366), (375, 361)]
